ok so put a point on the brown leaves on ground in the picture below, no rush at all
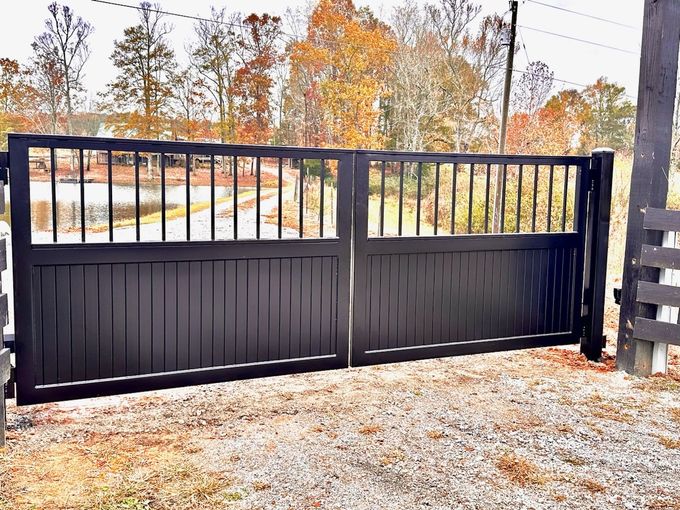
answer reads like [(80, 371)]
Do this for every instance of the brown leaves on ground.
[(370, 429), (573, 359), (520, 470)]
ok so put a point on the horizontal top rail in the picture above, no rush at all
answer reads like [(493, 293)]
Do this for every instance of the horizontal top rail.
[(216, 148)]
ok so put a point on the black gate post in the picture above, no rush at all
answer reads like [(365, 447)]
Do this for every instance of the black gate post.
[(597, 243)]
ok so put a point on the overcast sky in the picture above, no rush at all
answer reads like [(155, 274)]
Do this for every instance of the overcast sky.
[(569, 59)]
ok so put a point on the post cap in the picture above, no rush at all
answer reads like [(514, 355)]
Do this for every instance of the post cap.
[(603, 149)]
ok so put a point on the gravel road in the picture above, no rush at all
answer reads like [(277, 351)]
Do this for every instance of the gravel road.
[(534, 429)]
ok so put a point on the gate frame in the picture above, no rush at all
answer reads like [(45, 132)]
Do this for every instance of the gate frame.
[(26, 256)]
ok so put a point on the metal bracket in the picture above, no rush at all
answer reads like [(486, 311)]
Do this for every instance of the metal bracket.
[(10, 384)]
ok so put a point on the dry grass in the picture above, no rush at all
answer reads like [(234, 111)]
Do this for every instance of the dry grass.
[(674, 413), (435, 434), (112, 472), (370, 429), (670, 443), (520, 470), (592, 486)]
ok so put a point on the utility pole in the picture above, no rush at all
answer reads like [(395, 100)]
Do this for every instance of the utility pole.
[(504, 114)]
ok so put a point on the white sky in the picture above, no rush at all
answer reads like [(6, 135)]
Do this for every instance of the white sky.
[(570, 60)]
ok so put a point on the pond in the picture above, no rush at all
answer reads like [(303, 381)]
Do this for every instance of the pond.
[(96, 202)]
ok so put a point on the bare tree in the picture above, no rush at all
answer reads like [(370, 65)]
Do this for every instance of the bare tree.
[(533, 88), (416, 104), (213, 58), (64, 45)]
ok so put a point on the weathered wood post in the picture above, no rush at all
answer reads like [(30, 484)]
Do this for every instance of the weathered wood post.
[(649, 180)]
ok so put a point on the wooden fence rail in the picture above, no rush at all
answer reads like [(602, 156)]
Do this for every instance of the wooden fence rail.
[(665, 294)]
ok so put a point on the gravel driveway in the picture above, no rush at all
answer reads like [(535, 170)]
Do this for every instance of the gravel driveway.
[(533, 429)]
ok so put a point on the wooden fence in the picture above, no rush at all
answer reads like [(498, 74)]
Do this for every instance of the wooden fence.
[(4, 353), (665, 294)]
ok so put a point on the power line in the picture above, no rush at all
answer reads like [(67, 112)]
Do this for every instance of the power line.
[(567, 82), (524, 46), (585, 15), (593, 43)]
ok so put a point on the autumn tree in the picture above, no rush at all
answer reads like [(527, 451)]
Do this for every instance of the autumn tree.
[(340, 71), (15, 97), (191, 106), (608, 117), (141, 94), (257, 49), (213, 56), (63, 49), (48, 81)]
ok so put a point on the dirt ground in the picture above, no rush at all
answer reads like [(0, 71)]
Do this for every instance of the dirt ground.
[(532, 429)]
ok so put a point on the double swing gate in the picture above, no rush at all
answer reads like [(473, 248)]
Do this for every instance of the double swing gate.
[(142, 265)]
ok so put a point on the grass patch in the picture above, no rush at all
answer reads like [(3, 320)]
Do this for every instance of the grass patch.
[(520, 470)]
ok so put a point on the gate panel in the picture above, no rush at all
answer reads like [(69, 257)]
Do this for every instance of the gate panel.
[(114, 317), (465, 289)]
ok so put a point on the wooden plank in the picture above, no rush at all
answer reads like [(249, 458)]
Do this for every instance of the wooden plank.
[(660, 256), (3, 254), (666, 220), (658, 294), (4, 316), (656, 331), (4, 366)]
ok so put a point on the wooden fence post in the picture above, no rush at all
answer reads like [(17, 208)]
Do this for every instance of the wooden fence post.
[(649, 180)]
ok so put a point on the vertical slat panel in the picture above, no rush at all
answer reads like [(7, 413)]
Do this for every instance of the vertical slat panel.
[(183, 320), (454, 285), (384, 308), (420, 308), (158, 317), (295, 306), (285, 315), (327, 278), (262, 310), (316, 310), (412, 300), (373, 302), (463, 297), (230, 310), (428, 301), (404, 310), (393, 312), (251, 318), (195, 295), (38, 320), (306, 307), (77, 295), (481, 296), (91, 321), (274, 308), (170, 315), (105, 322), (63, 283), (132, 318), (49, 324), (438, 298), (219, 313), (206, 305), (119, 319)]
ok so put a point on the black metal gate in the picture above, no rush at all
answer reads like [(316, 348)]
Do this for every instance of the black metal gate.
[(455, 286), (146, 264), (102, 313)]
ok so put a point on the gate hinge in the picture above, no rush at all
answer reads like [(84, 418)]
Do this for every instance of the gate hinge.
[(4, 166)]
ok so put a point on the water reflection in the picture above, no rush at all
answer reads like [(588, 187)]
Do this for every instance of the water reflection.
[(96, 202)]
